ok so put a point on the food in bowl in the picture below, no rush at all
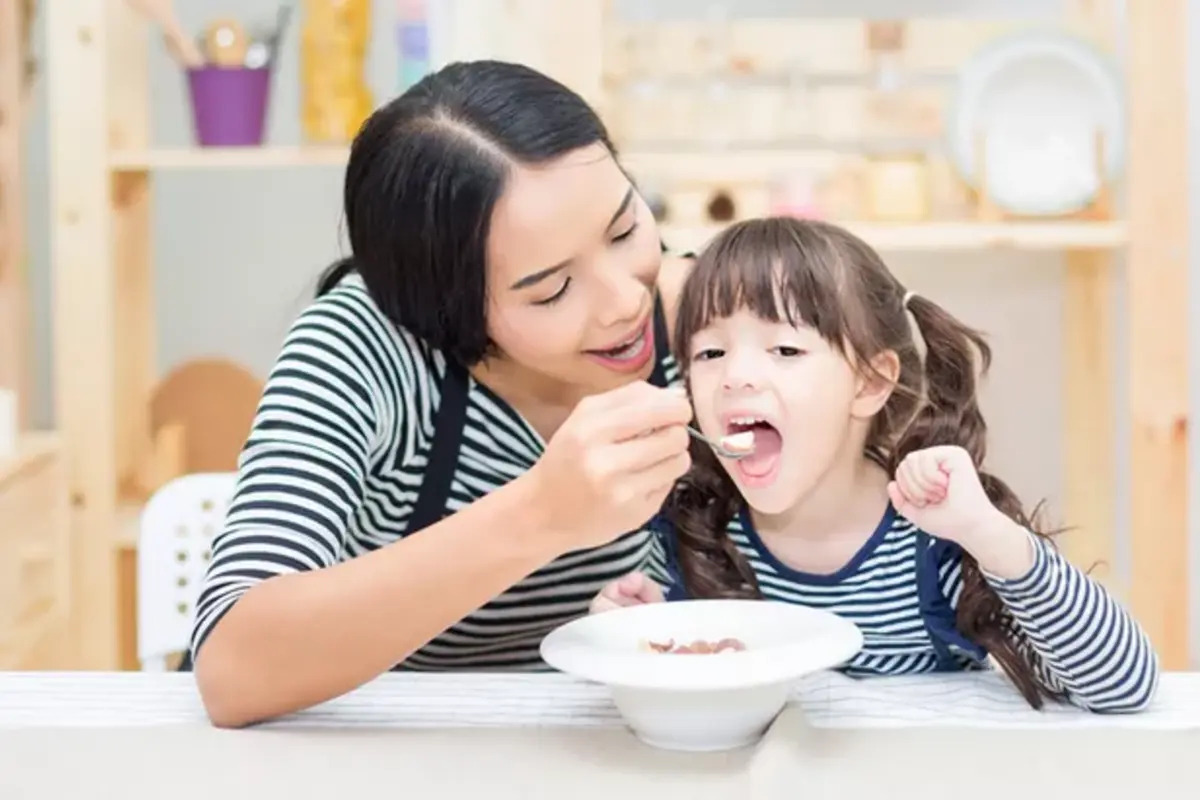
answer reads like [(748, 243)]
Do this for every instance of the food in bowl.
[(696, 647)]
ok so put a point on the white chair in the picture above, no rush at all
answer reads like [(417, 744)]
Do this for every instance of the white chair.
[(174, 546)]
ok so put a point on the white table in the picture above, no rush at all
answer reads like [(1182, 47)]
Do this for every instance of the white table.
[(143, 735)]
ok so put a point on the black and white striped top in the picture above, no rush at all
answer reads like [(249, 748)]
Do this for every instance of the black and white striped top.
[(902, 588), (335, 461)]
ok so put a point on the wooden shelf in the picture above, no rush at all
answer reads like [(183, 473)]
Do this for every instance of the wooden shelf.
[(203, 158), (950, 235), (883, 236)]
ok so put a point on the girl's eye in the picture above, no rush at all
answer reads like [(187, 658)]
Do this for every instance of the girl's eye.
[(620, 237), (554, 298), (708, 354), (787, 351)]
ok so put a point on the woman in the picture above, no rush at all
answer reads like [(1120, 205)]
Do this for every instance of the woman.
[(496, 347)]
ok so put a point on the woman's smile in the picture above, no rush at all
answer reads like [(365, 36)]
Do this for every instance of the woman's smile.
[(630, 353)]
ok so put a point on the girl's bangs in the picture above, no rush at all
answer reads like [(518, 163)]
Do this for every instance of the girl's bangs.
[(767, 268)]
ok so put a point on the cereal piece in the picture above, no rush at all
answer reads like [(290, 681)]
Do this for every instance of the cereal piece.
[(742, 442)]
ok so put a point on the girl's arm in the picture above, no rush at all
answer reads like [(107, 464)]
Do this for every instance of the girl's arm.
[(657, 581), (1074, 632), (1081, 640)]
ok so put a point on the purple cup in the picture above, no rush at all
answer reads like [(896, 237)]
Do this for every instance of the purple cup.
[(229, 105)]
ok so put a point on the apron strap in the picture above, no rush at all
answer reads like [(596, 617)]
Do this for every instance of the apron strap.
[(443, 457), (662, 343), (931, 603), (449, 419)]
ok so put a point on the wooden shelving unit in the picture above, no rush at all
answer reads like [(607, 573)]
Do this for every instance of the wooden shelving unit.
[(16, 17), (35, 585), (103, 164), (957, 236), (217, 158)]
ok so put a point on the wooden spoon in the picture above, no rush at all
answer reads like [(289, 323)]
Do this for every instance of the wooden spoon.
[(181, 46), (226, 43)]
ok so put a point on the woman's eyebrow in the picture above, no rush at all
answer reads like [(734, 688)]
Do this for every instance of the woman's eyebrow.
[(539, 276), (621, 209)]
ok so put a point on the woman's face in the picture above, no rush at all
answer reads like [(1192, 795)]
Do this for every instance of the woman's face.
[(573, 257)]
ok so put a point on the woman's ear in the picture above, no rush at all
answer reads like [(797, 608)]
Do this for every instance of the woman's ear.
[(875, 384)]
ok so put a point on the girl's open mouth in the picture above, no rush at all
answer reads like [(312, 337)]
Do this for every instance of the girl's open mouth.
[(760, 467)]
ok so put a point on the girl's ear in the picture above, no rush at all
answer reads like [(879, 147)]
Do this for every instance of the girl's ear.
[(875, 384)]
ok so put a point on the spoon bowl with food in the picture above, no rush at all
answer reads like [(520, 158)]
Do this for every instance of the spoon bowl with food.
[(734, 445)]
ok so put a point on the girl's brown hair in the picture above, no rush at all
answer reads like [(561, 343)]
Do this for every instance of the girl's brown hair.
[(819, 275)]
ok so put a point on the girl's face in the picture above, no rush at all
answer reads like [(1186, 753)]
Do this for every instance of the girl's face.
[(573, 257), (802, 398)]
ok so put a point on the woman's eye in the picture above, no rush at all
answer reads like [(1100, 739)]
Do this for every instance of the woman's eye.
[(708, 354), (554, 298), (787, 351), (620, 237)]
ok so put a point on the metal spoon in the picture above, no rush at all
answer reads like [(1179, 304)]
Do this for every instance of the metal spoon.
[(719, 448)]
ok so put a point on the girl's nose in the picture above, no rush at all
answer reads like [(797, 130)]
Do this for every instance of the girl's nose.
[(743, 371)]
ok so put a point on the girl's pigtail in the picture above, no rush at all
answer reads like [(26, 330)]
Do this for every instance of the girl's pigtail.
[(700, 508), (949, 414)]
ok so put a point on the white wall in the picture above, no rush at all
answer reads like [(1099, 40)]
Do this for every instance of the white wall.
[(236, 253)]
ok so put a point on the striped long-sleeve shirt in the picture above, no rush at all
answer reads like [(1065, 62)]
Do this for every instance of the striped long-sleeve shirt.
[(902, 588), (338, 455)]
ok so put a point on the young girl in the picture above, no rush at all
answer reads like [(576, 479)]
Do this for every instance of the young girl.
[(864, 494)]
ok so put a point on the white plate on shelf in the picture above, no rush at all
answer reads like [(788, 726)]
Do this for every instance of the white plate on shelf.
[(702, 702), (1041, 98)]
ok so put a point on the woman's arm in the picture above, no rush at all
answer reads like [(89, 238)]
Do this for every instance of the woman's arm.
[(284, 621), (280, 622), (303, 638), (1073, 631)]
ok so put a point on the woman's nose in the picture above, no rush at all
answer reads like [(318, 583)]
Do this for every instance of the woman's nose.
[(622, 301)]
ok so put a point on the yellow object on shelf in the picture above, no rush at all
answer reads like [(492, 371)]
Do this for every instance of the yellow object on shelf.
[(335, 98)]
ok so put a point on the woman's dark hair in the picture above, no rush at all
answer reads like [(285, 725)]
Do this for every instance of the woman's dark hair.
[(820, 275), (424, 174)]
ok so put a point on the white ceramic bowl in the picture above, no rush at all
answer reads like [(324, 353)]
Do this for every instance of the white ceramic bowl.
[(1041, 97), (701, 702)]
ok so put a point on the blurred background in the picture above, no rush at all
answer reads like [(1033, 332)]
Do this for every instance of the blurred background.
[(171, 183)]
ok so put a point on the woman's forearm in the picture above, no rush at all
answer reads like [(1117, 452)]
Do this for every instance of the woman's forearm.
[(300, 639)]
